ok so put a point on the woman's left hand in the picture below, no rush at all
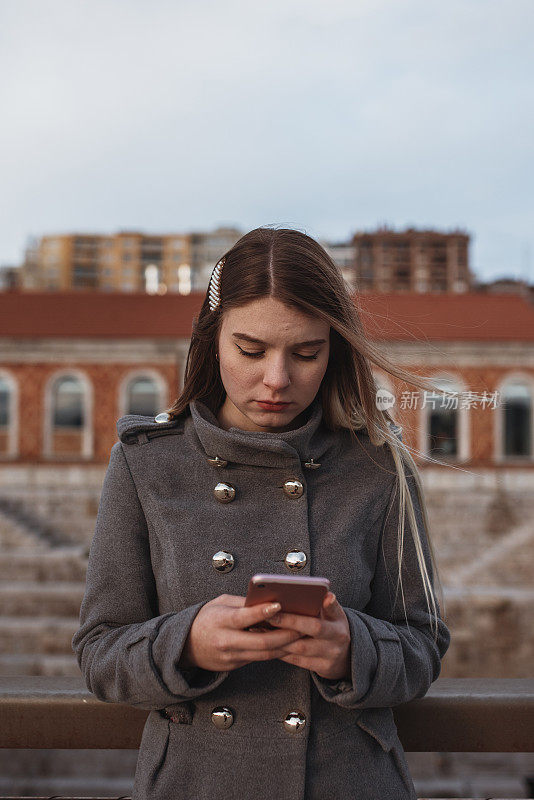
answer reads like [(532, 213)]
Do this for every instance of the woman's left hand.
[(325, 645)]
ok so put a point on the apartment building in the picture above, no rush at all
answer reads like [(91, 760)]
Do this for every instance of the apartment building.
[(412, 261), (128, 261)]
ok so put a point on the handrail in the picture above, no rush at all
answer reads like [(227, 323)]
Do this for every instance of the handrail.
[(456, 715)]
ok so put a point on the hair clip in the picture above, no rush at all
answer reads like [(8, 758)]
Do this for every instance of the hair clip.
[(214, 287)]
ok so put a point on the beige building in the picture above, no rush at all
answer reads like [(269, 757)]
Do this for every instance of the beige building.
[(129, 261)]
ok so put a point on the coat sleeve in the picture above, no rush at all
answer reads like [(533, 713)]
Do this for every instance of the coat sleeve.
[(127, 652), (392, 662)]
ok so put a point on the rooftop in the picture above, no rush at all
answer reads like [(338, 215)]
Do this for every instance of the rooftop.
[(390, 317)]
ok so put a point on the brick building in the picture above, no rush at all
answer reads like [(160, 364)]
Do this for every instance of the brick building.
[(411, 261), (71, 364)]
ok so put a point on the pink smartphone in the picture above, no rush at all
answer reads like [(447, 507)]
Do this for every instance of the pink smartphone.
[(297, 594)]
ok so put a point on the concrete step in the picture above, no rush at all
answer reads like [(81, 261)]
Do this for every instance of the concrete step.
[(51, 635), (17, 515), (85, 766), (47, 786), (36, 664), (26, 598), (41, 565), (14, 534)]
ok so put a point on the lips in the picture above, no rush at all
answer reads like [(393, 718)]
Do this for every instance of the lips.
[(267, 405)]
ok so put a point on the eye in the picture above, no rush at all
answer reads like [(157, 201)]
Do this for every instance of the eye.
[(246, 353), (250, 355), (260, 353)]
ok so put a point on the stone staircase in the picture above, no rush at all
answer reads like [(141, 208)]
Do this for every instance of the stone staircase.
[(32, 520), (41, 588), (42, 581), (466, 524), (485, 551)]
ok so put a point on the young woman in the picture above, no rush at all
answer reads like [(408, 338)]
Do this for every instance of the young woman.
[(224, 485)]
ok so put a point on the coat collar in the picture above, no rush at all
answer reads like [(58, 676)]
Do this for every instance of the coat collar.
[(258, 448)]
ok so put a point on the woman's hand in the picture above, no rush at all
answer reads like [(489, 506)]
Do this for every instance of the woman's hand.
[(325, 644), (218, 642)]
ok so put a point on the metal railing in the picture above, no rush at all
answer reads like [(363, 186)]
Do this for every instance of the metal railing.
[(457, 715)]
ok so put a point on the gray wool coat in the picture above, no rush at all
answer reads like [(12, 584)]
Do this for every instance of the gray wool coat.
[(151, 569)]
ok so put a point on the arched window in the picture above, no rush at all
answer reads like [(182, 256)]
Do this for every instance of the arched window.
[(67, 403), (9, 422), (442, 420), (517, 419), (5, 415), (142, 396), (5, 394), (68, 408)]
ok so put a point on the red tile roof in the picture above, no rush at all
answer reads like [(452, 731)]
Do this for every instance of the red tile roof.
[(468, 317), (409, 317)]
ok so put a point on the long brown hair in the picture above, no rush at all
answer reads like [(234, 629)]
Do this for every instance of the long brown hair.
[(293, 268)]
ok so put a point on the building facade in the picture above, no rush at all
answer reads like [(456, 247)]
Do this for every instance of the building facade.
[(71, 364), (412, 261), (380, 261), (125, 262)]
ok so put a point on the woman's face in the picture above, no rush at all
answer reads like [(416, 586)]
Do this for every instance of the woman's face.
[(286, 363)]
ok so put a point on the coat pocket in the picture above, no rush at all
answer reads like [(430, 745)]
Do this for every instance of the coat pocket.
[(180, 713), (379, 723)]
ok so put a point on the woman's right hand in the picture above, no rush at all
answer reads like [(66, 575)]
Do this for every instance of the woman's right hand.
[(218, 641)]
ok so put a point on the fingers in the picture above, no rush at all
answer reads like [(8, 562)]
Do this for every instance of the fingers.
[(331, 608), (245, 616), (245, 658), (317, 627), (318, 665), (307, 647), (255, 641), (308, 626), (262, 655)]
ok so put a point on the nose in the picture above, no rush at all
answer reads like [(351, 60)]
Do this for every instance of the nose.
[(276, 375)]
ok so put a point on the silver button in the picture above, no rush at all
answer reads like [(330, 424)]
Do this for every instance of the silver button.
[(163, 417), (293, 488), (311, 464), (217, 462), (224, 492), (295, 560), (294, 721), (222, 717), (223, 562)]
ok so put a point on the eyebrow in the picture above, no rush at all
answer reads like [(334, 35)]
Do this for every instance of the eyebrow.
[(248, 338)]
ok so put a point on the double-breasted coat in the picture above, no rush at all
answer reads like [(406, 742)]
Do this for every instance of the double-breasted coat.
[(308, 500)]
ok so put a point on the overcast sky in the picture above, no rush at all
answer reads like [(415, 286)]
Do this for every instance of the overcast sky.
[(327, 116)]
